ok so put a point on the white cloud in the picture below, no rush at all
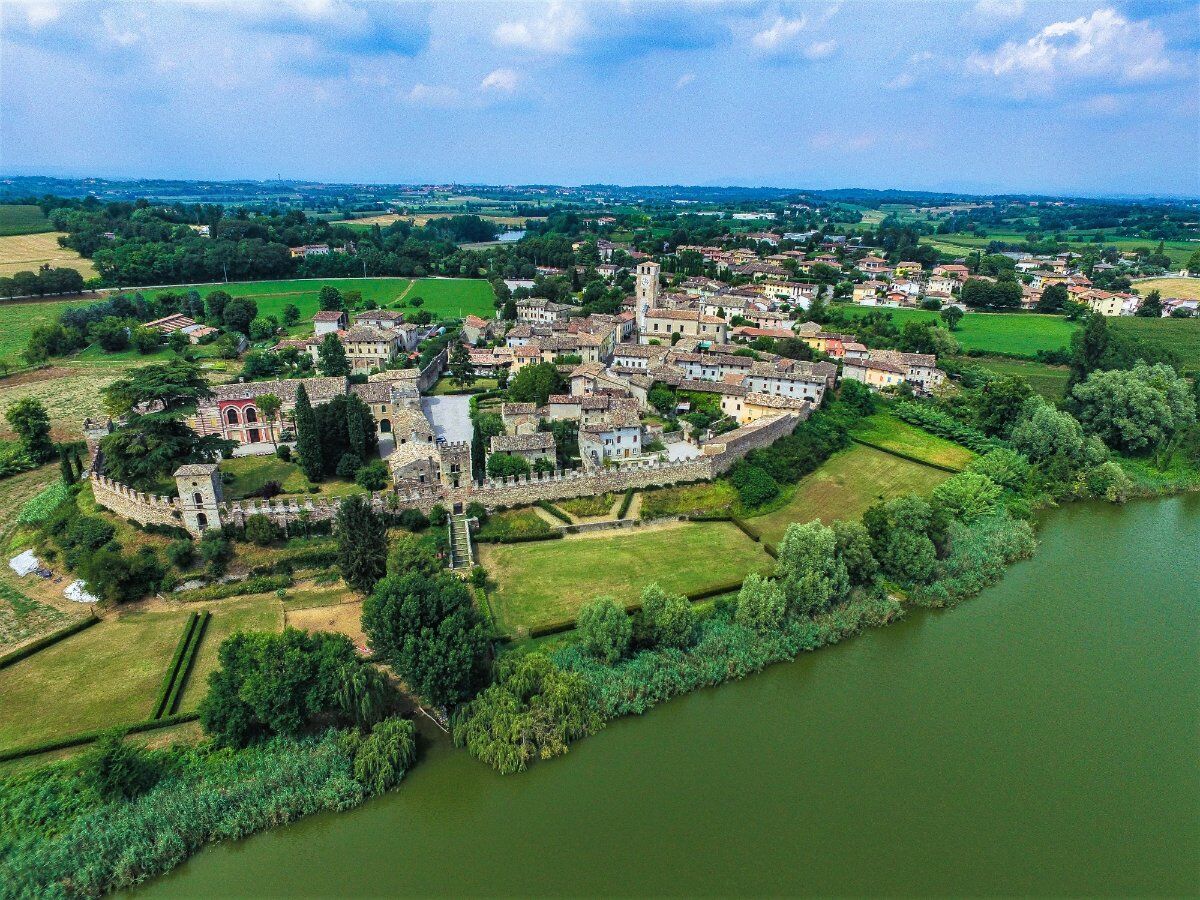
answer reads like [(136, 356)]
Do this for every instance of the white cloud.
[(433, 95), (503, 81), (556, 31), (820, 49), (901, 82), (779, 36), (38, 15), (1000, 9), (1104, 46), (684, 80)]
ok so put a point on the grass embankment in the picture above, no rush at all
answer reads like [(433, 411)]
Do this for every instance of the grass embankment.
[(1049, 381), (22, 219), (111, 674), (843, 488), (252, 473), (1020, 333), (29, 252), (541, 585), (889, 433)]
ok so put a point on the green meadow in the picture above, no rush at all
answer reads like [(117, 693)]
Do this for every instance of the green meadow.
[(1021, 333)]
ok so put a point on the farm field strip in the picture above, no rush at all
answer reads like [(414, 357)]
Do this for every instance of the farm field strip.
[(1024, 333), (27, 252)]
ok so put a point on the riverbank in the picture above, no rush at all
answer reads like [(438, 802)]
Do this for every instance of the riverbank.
[(1038, 740)]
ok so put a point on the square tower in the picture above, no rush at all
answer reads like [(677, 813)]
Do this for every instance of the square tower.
[(200, 496)]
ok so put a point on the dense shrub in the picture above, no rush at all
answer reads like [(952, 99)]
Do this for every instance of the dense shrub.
[(943, 425), (604, 629), (754, 485), (978, 555)]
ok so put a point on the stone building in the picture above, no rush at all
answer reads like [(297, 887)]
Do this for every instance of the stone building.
[(538, 445), (200, 496)]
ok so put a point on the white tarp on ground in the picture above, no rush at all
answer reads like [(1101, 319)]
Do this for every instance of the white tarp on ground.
[(75, 591), (24, 564)]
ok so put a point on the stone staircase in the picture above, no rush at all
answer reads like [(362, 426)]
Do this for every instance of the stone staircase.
[(461, 553)]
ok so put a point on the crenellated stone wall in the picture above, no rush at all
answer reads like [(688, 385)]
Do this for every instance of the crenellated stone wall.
[(127, 503), (282, 511)]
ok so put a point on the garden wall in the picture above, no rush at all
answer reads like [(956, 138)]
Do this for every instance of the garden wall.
[(127, 503)]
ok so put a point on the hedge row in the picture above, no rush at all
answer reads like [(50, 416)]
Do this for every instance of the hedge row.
[(746, 529), (42, 643), (626, 502), (164, 693), (519, 538), (189, 660), (259, 585), (902, 455), (555, 511), (943, 425), (78, 740)]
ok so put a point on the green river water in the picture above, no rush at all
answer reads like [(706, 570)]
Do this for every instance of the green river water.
[(1043, 738)]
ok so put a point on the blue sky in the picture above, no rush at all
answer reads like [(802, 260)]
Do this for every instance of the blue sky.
[(997, 95)]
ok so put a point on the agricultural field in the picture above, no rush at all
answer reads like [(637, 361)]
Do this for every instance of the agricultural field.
[(28, 252), (111, 673), (843, 488), (888, 432), (419, 219), (16, 319), (961, 244), (446, 297), (69, 391), (1022, 333), (1049, 381), (1181, 335), (1181, 288), (22, 219), (543, 584)]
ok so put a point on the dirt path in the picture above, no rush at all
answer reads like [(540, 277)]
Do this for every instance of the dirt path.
[(635, 506), (546, 517)]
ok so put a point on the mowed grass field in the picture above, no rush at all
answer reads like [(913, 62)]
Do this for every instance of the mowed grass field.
[(110, 674), (28, 252), (1024, 333), (22, 219), (542, 584), (1178, 251), (1049, 381), (843, 488), (1181, 288), (444, 297), (888, 432)]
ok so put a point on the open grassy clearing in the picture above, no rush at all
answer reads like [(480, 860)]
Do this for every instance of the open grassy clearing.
[(16, 320), (29, 252), (589, 507), (22, 219), (447, 385), (961, 244), (543, 584), (1024, 333), (251, 473), (890, 433), (1183, 288), (69, 392), (445, 297), (343, 616), (110, 674), (688, 500), (1181, 335), (512, 523), (1049, 381), (843, 488)]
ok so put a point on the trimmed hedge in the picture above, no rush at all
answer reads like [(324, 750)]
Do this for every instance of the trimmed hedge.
[(42, 643), (160, 705), (555, 511), (626, 502), (520, 538), (189, 660), (262, 584), (86, 737), (901, 455), (746, 529)]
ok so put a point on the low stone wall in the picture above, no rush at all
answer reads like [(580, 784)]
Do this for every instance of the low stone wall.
[(291, 509), (524, 490), (431, 373), (127, 503)]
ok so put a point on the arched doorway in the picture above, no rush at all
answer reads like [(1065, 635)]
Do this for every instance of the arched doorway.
[(385, 426), (201, 521), (231, 416)]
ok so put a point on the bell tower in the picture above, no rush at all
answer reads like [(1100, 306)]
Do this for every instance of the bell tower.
[(646, 293)]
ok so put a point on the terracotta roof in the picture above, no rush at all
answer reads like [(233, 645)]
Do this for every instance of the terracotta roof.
[(509, 443)]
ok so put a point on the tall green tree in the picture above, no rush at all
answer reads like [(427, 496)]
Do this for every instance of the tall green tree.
[(162, 388), (1087, 348), (604, 629), (362, 543), (331, 357), (428, 630), (461, 369), (1135, 411), (330, 299), (308, 440), (808, 568), (899, 530), (1151, 306), (29, 419)]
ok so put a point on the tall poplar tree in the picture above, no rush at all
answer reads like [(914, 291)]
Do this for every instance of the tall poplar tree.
[(308, 441), (362, 543)]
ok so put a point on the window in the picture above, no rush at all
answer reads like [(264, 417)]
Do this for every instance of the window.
[(197, 499), (251, 414), (231, 416)]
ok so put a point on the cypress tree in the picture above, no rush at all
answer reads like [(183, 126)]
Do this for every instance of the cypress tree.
[(64, 465), (362, 544), (308, 440), (356, 430)]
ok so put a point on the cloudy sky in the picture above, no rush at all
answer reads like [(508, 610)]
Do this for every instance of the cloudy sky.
[(1090, 97)]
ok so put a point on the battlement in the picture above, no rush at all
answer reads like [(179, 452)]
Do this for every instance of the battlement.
[(124, 501)]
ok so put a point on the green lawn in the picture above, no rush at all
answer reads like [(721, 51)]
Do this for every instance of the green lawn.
[(845, 486), (444, 297), (447, 385), (110, 674), (16, 320), (888, 432), (688, 500), (545, 583), (1024, 333), (1049, 381), (251, 473), (1181, 335), (1178, 251), (22, 219)]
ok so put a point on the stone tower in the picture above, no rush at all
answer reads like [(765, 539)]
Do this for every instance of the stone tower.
[(647, 293), (199, 496)]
